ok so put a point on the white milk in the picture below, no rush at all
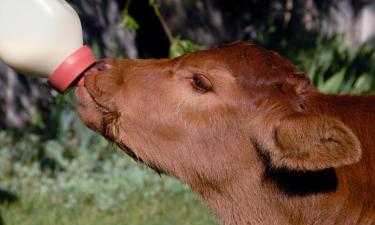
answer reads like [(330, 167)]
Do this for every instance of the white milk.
[(27, 60), (36, 36)]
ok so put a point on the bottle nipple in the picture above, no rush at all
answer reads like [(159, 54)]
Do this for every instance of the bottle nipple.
[(71, 70)]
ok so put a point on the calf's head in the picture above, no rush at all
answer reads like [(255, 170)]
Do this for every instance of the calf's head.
[(210, 116)]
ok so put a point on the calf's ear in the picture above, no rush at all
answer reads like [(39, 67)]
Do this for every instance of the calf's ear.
[(311, 143)]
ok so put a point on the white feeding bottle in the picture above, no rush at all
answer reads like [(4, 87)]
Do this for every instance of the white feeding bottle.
[(43, 38)]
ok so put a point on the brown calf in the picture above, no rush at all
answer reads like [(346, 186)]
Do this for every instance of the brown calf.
[(245, 130)]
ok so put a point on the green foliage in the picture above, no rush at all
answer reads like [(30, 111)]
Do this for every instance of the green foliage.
[(137, 210), (335, 68), (129, 22), (332, 66), (152, 2), (333, 84), (36, 120), (180, 47)]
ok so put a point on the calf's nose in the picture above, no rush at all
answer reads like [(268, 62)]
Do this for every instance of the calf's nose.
[(101, 66)]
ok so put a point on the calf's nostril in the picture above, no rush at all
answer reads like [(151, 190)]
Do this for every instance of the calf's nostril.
[(102, 66)]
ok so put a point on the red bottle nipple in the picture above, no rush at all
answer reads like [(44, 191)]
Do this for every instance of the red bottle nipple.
[(70, 72)]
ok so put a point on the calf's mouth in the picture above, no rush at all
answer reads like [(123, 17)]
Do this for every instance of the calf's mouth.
[(97, 115)]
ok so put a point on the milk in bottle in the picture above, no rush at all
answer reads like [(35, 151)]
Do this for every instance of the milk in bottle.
[(43, 38)]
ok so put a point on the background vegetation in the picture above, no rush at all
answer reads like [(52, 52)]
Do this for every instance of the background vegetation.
[(53, 170)]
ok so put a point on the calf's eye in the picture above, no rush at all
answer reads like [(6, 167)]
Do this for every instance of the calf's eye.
[(201, 84)]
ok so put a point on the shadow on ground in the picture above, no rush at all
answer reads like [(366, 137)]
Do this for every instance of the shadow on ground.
[(6, 197)]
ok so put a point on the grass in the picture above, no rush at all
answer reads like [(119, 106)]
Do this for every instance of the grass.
[(57, 182), (161, 209)]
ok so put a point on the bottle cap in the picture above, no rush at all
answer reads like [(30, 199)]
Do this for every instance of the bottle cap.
[(71, 70)]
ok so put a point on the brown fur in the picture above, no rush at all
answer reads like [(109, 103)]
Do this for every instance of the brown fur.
[(245, 130)]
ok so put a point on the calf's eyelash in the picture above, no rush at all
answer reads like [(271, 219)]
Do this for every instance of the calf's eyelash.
[(201, 83)]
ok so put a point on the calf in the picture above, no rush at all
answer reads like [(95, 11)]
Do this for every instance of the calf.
[(245, 130)]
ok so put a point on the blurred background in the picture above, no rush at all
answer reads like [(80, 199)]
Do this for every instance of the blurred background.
[(53, 170)]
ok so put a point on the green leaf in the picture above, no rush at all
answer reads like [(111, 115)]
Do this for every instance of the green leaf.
[(362, 84), (36, 119), (347, 86), (96, 49), (334, 83), (129, 22), (179, 47)]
